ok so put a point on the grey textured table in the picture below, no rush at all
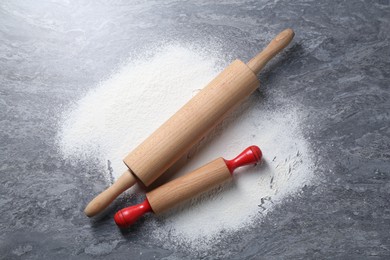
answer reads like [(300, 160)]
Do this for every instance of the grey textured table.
[(338, 68)]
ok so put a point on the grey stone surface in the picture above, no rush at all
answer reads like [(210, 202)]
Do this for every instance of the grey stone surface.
[(338, 68)]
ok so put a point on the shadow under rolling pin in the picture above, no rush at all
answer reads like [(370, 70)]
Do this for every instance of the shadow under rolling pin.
[(188, 186), (190, 124)]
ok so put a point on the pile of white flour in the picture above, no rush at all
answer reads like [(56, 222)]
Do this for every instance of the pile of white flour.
[(122, 111)]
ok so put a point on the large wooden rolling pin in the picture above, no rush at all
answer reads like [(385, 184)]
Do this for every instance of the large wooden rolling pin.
[(188, 186), (192, 122)]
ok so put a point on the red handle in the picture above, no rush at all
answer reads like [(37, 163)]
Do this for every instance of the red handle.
[(127, 216), (250, 155)]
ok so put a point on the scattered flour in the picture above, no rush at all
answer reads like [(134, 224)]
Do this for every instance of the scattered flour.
[(122, 111)]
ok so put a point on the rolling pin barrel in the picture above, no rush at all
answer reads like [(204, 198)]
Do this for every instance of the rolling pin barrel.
[(199, 181), (192, 122)]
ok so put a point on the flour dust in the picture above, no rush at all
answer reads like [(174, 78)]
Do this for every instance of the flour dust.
[(117, 115)]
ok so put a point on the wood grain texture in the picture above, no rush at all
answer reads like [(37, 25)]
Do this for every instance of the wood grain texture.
[(188, 186), (192, 122)]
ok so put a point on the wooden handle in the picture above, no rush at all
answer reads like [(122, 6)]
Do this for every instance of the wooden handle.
[(186, 187), (257, 63), (100, 202)]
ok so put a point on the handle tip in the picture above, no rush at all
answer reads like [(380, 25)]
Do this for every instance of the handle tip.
[(285, 37), (256, 153), (286, 34), (88, 214), (91, 210)]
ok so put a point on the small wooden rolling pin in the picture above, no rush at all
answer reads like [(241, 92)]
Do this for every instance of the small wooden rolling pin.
[(188, 186), (192, 122)]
